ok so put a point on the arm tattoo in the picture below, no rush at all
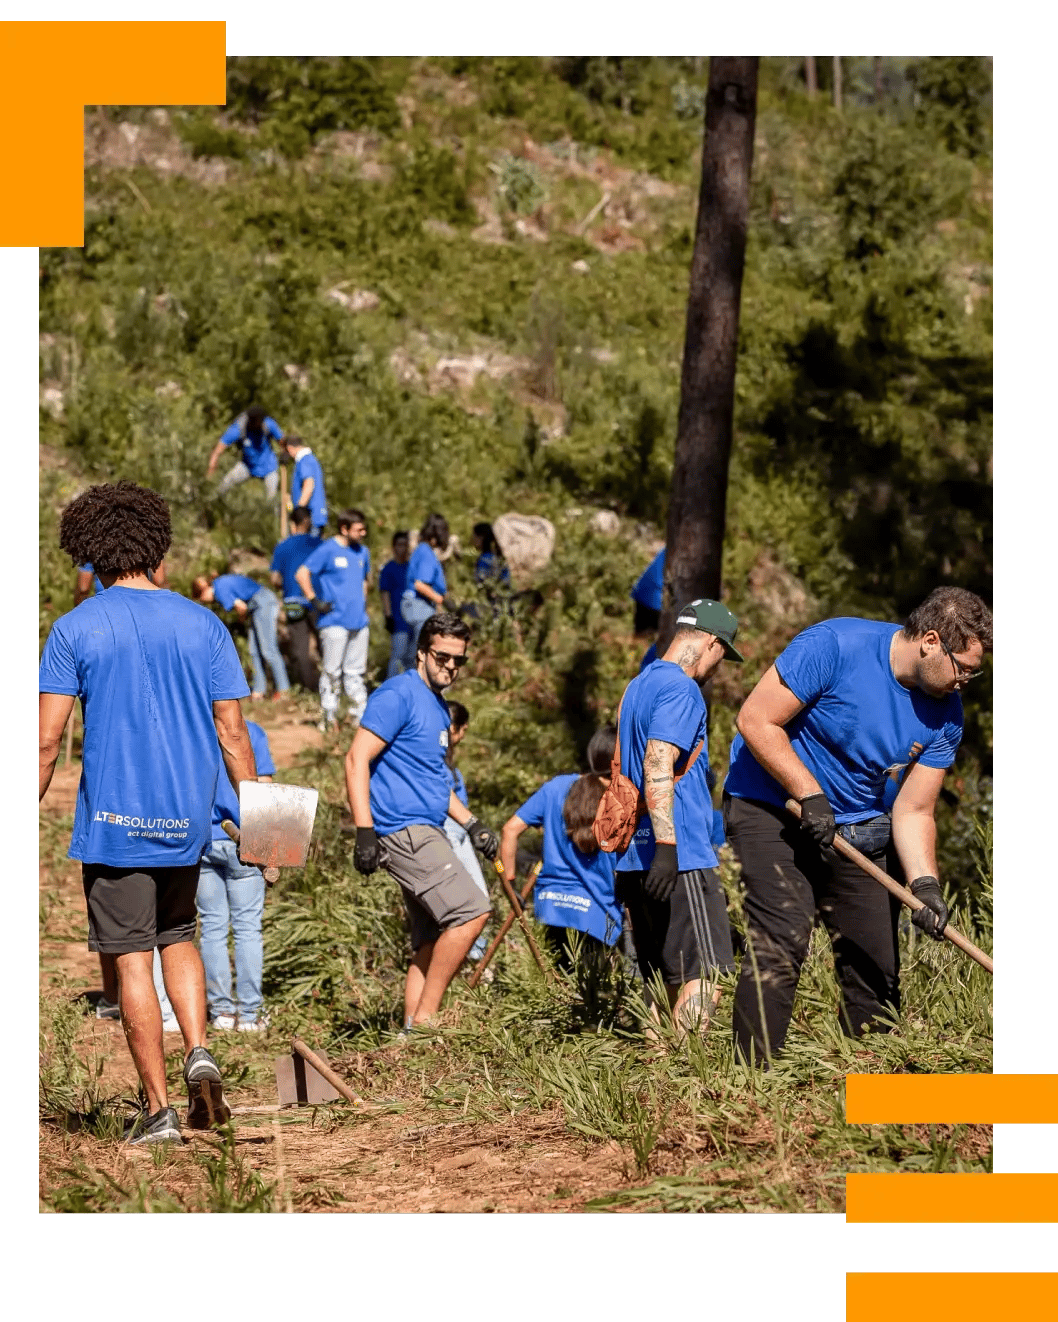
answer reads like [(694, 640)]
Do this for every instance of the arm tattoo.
[(658, 786)]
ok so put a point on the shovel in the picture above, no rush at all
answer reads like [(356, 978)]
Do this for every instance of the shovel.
[(276, 823), (894, 888)]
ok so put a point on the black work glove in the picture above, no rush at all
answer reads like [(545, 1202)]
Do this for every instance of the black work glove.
[(817, 818), (932, 918), (391, 624), (660, 881), (367, 853), (486, 842), (322, 607)]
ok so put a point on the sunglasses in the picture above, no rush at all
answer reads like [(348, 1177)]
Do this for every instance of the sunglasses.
[(446, 659), (961, 672)]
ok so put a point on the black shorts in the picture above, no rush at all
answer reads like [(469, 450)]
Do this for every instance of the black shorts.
[(646, 619), (664, 931), (130, 909)]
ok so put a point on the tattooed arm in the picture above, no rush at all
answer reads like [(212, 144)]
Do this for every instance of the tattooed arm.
[(659, 762)]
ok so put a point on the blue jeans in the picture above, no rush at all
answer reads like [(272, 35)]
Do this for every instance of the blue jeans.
[(398, 651), (464, 851), (231, 893), (264, 641), (871, 837), (415, 611)]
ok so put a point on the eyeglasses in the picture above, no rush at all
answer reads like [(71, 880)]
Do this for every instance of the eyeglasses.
[(446, 659), (961, 671)]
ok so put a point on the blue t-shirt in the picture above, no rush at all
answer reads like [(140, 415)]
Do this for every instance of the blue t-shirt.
[(648, 589), (341, 573), (287, 559), (97, 585), (649, 657), (573, 889), (490, 567), (309, 466), (226, 803), (393, 579), (230, 588), (457, 783), (664, 703), (257, 452), (147, 665), (409, 778), (860, 728), (424, 567)]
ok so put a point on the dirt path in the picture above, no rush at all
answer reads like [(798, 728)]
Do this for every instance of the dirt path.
[(408, 1156)]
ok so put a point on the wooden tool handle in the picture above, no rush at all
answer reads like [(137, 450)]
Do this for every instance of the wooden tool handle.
[(516, 905), (508, 923), (894, 888), (321, 1066)]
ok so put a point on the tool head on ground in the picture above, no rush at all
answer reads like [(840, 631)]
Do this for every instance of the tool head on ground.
[(277, 823), (301, 1084)]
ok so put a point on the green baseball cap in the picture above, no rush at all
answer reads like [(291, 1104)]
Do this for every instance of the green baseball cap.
[(712, 617)]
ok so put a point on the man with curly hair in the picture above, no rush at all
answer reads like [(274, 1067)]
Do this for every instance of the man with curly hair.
[(159, 682)]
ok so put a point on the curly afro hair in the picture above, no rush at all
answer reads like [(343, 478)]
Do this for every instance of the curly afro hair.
[(118, 528)]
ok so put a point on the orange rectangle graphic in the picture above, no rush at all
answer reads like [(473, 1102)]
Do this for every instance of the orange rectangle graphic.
[(949, 1296), (963, 1099), (965, 1197)]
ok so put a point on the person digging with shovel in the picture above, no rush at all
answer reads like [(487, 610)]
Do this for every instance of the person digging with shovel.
[(849, 710), (159, 681), (399, 793)]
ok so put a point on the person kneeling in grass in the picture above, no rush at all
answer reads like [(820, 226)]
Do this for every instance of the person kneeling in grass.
[(399, 794)]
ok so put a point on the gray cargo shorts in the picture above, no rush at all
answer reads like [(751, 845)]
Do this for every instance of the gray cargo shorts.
[(439, 892)]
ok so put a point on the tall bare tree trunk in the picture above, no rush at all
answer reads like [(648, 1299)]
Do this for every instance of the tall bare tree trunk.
[(811, 81), (697, 505)]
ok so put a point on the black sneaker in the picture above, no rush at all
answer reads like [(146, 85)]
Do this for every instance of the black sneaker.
[(206, 1106), (162, 1127)]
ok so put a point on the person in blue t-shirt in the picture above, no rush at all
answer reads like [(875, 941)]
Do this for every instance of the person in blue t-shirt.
[(288, 557), (159, 682), (392, 580), (667, 877), (231, 895), (574, 890), (306, 482), (849, 708), (425, 592), (649, 657), (460, 723), (647, 595), (253, 433), (341, 567), (490, 569), (259, 607), (399, 793)]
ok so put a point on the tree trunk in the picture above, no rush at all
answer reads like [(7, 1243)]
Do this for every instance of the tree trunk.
[(878, 87), (811, 82), (837, 82), (695, 532)]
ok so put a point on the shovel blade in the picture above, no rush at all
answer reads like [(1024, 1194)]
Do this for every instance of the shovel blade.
[(299, 1084), (276, 823)]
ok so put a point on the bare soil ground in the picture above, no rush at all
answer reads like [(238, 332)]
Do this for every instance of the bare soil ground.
[(407, 1157)]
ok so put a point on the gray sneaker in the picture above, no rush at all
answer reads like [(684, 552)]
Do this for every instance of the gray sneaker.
[(206, 1106), (107, 1009), (162, 1127)]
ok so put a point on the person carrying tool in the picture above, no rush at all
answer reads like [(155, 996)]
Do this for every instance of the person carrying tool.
[(575, 888), (342, 567), (259, 607), (287, 558), (850, 708), (159, 682), (392, 580), (231, 895), (253, 433), (667, 877), (306, 482), (399, 793)]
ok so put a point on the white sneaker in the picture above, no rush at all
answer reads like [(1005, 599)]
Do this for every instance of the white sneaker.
[(171, 1025), (257, 1025), (225, 1022)]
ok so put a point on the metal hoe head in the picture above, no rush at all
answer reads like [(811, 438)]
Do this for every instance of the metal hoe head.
[(276, 823)]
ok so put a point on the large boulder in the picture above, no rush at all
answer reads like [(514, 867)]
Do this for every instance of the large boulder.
[(526, 540)]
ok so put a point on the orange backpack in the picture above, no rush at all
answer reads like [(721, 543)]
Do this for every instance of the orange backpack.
[(622, 806)]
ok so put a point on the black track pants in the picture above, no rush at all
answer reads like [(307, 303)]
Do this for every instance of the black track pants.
[(305, 668), (791, 882)]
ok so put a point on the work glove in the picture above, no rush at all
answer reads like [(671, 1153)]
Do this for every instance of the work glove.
[(817, 818), (391, 624), (932, 918), (486, 842), (322, 607), (660, 881), (367, 852)]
